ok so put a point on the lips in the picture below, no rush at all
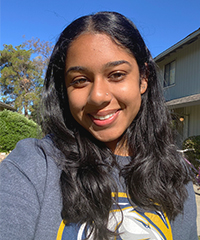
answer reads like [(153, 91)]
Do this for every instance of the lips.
[(103, 117), (103, 120)]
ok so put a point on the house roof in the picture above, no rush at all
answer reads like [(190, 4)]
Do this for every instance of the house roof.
[(184, 101), (187, 40), (6, 106)]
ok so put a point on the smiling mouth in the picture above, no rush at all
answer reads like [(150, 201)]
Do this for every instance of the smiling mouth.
[(103, 117), (106, 120)]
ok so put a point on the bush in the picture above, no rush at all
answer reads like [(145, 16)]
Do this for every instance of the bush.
[(15, 127), (193, 143)]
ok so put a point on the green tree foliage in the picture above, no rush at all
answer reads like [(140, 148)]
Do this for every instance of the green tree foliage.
[(20, 78), (22, 73), (42, 49), (15, 127)]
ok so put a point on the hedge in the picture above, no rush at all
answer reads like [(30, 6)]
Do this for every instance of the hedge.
[(193, 143), (15, 127)]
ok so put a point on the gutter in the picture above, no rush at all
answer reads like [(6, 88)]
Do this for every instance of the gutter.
[(189, 39)]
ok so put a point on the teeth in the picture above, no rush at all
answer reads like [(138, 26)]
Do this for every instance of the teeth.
[(103, 117)]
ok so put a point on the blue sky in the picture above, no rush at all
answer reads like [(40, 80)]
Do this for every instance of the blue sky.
[(162, 23)]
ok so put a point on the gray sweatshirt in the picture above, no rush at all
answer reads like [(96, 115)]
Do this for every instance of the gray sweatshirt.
[(31, 202)]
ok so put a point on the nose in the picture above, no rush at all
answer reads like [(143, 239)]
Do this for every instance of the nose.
[(99, 94)]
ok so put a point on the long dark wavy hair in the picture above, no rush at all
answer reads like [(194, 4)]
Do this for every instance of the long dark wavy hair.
[(155, 178)]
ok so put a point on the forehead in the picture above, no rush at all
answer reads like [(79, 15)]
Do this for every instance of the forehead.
[(90, 47)]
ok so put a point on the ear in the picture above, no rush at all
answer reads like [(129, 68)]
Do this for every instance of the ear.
[(143, 85)]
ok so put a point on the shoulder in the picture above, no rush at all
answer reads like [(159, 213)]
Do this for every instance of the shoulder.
[(30, 191), (31, 163), (30, 153)]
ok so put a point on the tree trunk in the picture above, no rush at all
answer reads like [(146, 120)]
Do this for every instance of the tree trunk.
[(25, 111)]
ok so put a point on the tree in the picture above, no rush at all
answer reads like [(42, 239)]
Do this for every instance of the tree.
[(42, 49), (20, 78), (22, 72)]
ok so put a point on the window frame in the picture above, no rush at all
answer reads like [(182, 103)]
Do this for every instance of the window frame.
[(169, 74)]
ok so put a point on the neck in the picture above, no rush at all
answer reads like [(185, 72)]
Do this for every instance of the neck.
[(119, 148), (122, 151)]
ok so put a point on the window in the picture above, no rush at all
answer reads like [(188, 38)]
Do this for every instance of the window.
[(169, 75)]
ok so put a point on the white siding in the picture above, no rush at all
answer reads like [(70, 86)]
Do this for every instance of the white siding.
[(187, 78), (194, 120), (187, 82)]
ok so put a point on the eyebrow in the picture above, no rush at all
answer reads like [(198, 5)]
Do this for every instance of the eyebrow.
[(75, 69), (116, 63), (107, 65)]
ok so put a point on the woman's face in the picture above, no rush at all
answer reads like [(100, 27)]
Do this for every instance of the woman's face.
[(103, 86)]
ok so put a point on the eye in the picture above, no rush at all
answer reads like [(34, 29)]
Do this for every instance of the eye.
[(79, 82), (117, 76)]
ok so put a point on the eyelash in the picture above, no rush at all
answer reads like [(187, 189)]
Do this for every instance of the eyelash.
[(117, 76), (79, 82), (113, 76)]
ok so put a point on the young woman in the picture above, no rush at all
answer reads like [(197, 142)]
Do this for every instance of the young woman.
[(107, 168)]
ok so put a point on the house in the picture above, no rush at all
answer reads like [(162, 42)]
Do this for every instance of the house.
[(6, 106), (180, 69)]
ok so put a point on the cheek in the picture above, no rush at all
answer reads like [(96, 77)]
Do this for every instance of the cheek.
[(76, 104), (130, 95)]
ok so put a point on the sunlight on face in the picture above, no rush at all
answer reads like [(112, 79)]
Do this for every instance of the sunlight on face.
[(103, 86)]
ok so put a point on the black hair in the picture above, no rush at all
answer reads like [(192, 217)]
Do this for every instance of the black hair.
[(155, 177)]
